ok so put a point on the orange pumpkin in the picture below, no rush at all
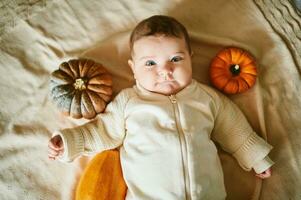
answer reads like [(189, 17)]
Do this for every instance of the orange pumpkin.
[(102, 179), (81, 88), (233, 70)]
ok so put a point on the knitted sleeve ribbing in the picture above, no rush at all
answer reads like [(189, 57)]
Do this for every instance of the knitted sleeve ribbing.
[(235, 135), (107, 131)]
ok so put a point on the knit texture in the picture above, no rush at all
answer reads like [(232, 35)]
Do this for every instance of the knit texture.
[(12, 12), (142, 123), (107, 131), (286, 21), (235, 135)]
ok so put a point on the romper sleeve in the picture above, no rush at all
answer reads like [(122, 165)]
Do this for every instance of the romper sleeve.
[(106, 131), (235, 135)]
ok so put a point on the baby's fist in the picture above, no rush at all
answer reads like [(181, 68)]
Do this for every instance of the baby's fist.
[(55, 147), (266, 174)]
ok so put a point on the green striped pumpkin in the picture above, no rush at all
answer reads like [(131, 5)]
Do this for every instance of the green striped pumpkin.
[(81, 88)]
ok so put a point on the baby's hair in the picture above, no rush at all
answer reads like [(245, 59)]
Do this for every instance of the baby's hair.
[(159, 25)]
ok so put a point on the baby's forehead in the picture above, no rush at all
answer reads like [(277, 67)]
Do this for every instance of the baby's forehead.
[(158, 41)]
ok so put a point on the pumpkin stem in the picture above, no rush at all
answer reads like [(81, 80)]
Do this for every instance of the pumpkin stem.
[(79, 84), (235, 69)]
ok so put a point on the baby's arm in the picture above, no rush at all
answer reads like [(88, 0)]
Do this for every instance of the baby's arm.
[(107, 131), (233, 132)]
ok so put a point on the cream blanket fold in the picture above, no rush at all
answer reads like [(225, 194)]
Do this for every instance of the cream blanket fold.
[(36, 36)]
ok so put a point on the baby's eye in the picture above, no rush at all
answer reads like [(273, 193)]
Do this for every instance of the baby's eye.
[(150, 63), (176, 59)]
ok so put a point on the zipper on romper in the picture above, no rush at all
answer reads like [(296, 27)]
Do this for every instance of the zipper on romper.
[(183, 146)]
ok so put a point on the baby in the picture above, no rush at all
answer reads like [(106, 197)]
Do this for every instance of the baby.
[(166, 125)]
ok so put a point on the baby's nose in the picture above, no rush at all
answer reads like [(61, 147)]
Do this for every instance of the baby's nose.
[(166, 70), (164, 73)]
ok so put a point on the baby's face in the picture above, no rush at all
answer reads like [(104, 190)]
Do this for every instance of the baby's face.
[(161, 64)]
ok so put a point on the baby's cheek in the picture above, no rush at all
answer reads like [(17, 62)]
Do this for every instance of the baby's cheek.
[(182, 74), (147, 81)]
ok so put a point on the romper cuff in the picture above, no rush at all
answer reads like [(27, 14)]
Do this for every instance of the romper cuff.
[(73, 142), (252, 152), (263, 165)]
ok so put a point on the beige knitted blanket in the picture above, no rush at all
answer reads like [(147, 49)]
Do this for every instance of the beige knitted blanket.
[(37, 35)]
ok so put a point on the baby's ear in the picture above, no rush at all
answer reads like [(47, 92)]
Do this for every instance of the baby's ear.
[(131, 64), (191, 54)]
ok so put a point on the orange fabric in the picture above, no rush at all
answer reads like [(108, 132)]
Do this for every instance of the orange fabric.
[(102, 179)]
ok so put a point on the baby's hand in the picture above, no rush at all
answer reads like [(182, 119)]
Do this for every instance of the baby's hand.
[(266, 174), (55, 147)]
